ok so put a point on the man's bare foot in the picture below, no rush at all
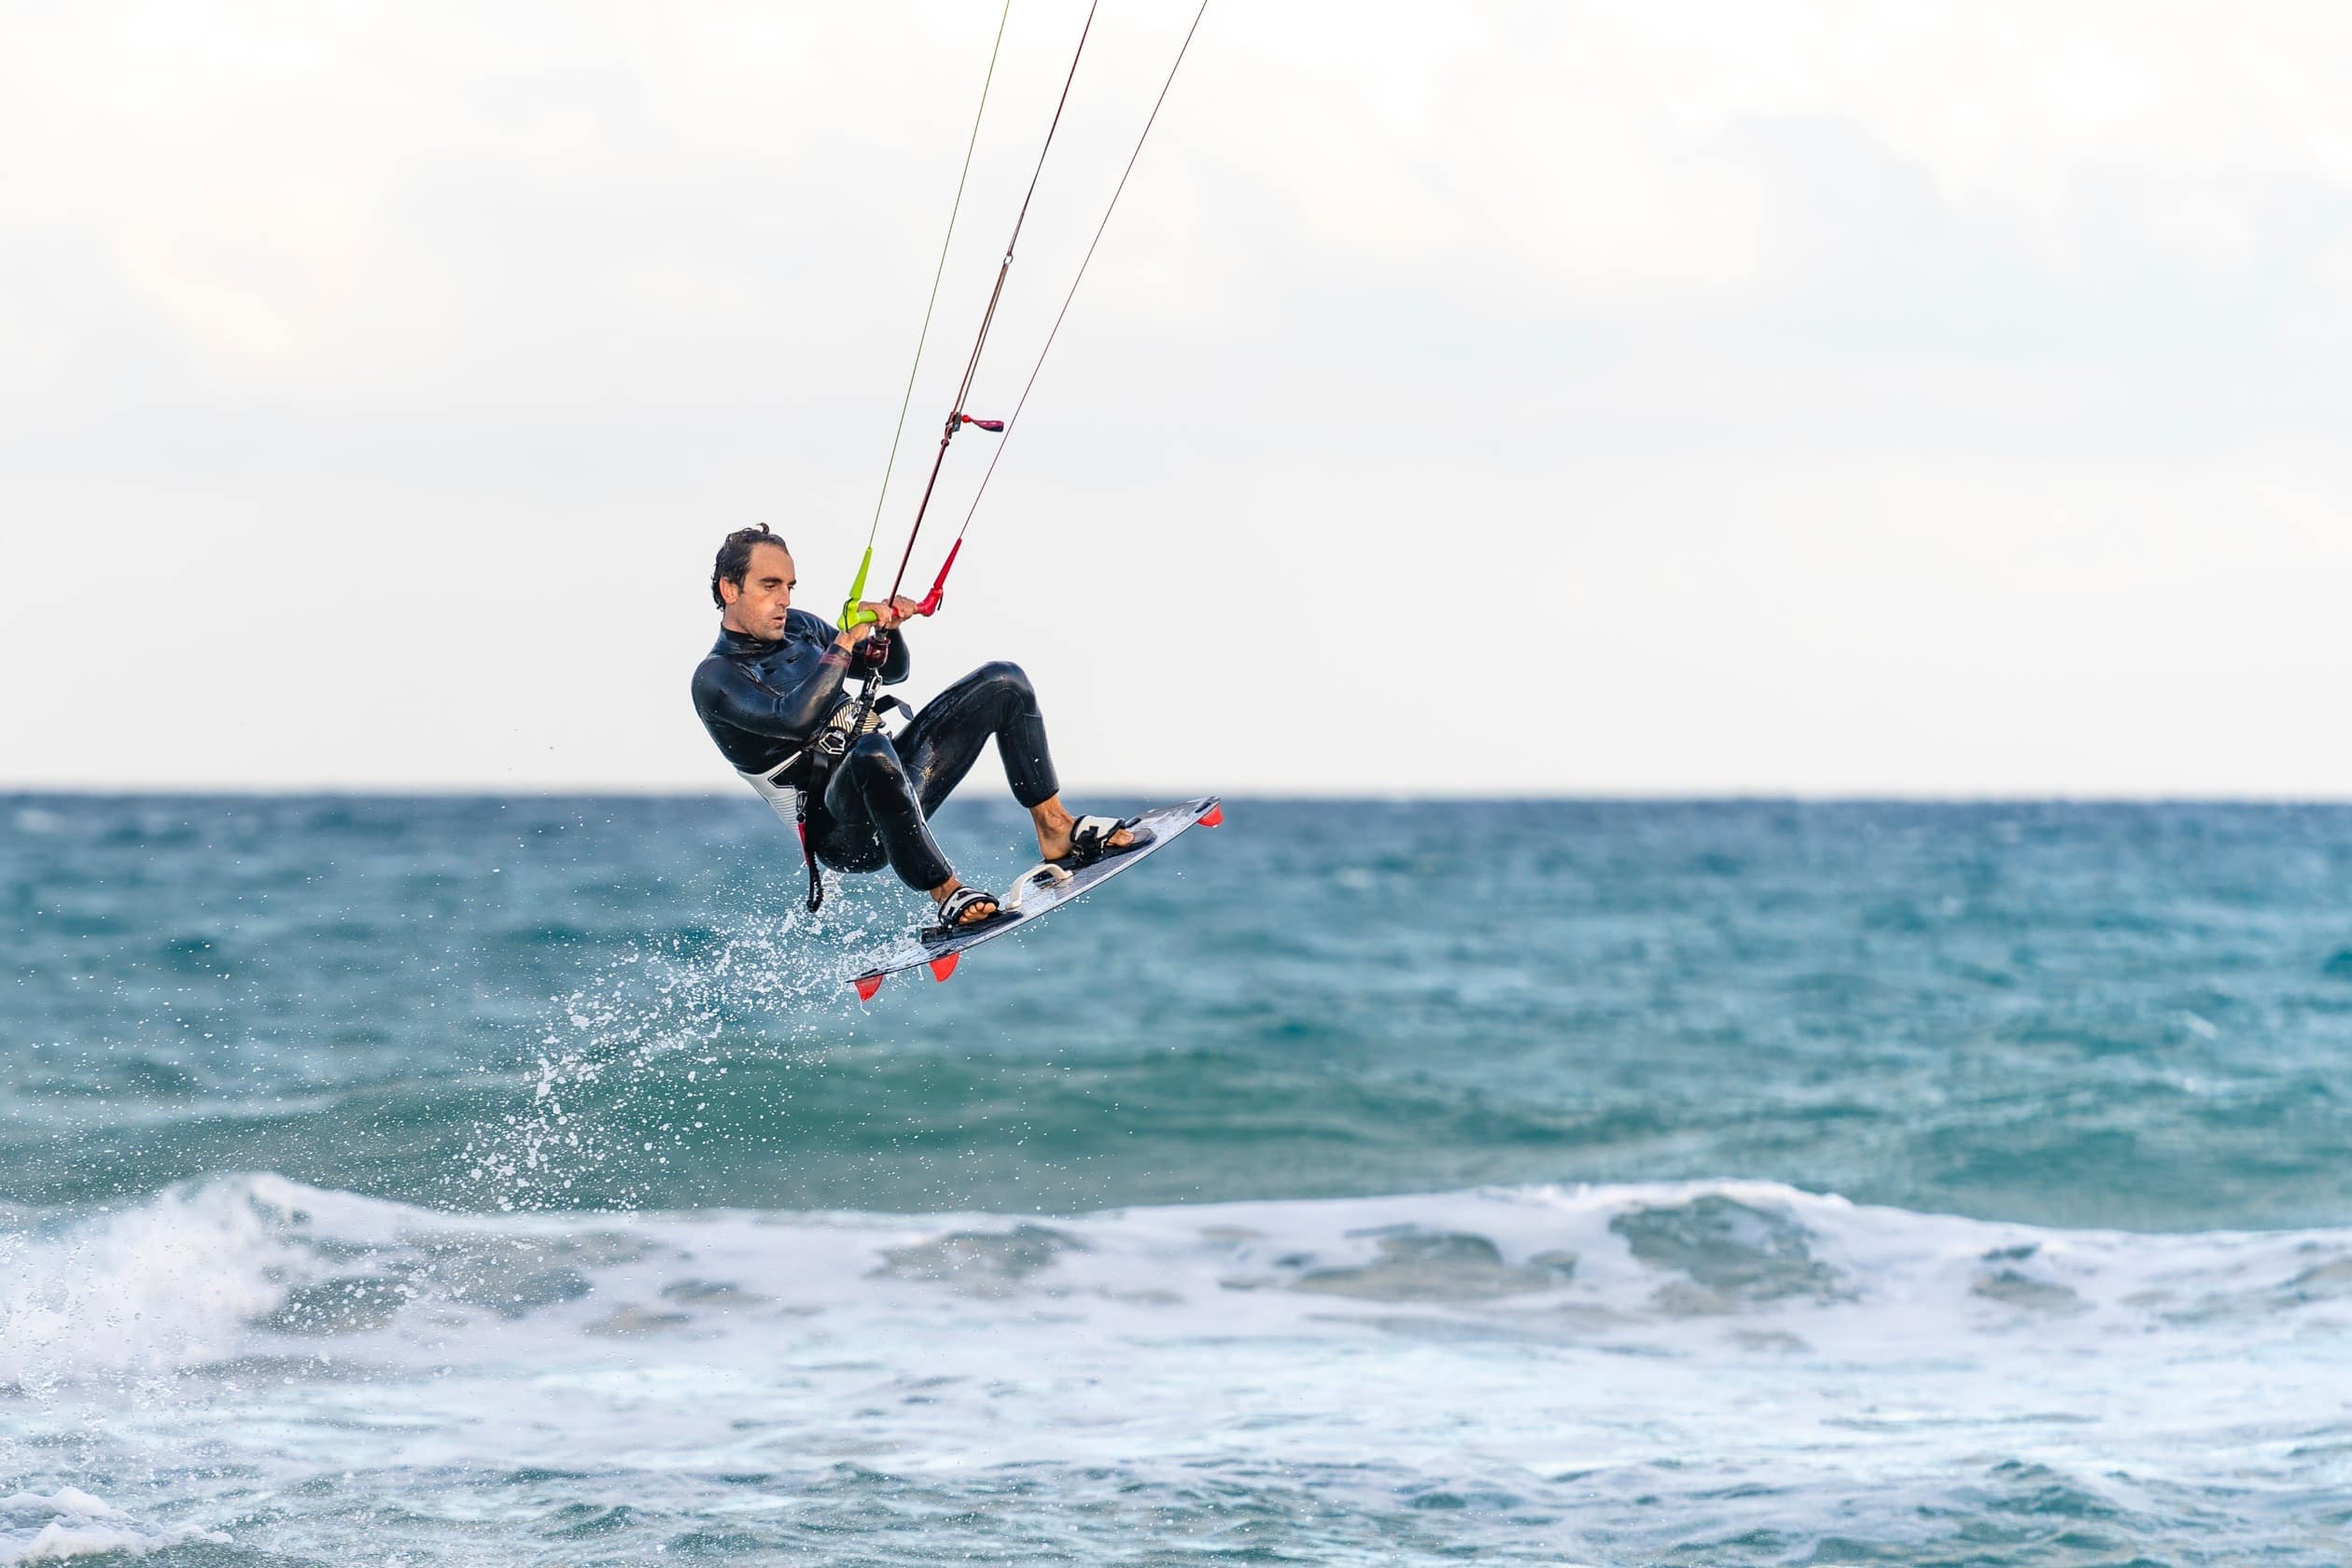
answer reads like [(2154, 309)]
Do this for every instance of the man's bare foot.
[(979, 909), (1054, 826)]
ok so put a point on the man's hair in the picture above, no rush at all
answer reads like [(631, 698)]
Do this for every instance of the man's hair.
[(734, 559)]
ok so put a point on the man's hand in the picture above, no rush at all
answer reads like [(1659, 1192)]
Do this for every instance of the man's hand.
[(886, 618), (889, 615)]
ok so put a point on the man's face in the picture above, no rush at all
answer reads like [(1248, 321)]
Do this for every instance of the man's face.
[(757, 609)]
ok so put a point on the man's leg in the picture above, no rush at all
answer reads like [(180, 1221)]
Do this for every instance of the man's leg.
[(945, 738), (870, 797), (879, 800)]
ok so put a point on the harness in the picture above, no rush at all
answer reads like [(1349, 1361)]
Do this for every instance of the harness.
[(787, 786)]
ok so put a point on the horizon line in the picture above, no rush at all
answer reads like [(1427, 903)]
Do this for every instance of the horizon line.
[(1435, 795)]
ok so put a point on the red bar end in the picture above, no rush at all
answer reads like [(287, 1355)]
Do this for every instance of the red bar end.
[(1215, 817), (867, 985), (943, 965)]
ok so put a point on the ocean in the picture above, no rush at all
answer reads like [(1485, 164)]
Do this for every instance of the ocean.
[(482, 1181)]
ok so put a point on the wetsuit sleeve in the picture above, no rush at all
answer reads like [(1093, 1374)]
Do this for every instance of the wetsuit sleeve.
[(729, 693)]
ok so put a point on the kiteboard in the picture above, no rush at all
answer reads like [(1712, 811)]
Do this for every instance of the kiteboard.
[(1035, 894)]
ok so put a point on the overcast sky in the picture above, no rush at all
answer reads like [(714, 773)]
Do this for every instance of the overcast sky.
[(1835, 398)]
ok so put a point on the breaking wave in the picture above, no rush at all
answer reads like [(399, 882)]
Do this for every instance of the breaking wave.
[(234, 1265)]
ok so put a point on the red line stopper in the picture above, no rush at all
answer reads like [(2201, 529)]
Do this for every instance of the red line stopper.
[(867, 985), (943, 965), (997, 425)]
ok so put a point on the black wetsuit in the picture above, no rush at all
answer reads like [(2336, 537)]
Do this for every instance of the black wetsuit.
[(764, 701)]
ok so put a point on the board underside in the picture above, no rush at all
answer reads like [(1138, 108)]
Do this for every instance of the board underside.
[(938, 951)]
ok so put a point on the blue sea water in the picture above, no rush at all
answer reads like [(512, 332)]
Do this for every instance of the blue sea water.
[(513, 1181)]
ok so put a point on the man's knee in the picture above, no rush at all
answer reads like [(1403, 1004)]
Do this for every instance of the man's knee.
[(873, 758), (1005, 677)]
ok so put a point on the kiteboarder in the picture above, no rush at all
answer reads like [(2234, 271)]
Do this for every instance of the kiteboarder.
[(775, 694), (774, 691)]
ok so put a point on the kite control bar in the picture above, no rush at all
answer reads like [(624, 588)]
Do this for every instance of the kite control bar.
[(853, 616)]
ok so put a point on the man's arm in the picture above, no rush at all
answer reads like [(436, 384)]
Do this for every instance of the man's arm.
[(727, 693)]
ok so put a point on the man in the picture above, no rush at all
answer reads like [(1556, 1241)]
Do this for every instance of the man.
[(778, 677)]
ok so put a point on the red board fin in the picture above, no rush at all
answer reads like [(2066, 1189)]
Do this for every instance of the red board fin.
[(1215, 817), (943, 965), (867, 985)]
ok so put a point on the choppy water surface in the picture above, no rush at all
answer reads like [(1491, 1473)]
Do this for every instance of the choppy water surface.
[(513, 1182)]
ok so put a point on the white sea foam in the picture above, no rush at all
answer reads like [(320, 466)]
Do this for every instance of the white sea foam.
[(1540, 1331), (235, 1264), (70, 1523), (150, 1287)]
